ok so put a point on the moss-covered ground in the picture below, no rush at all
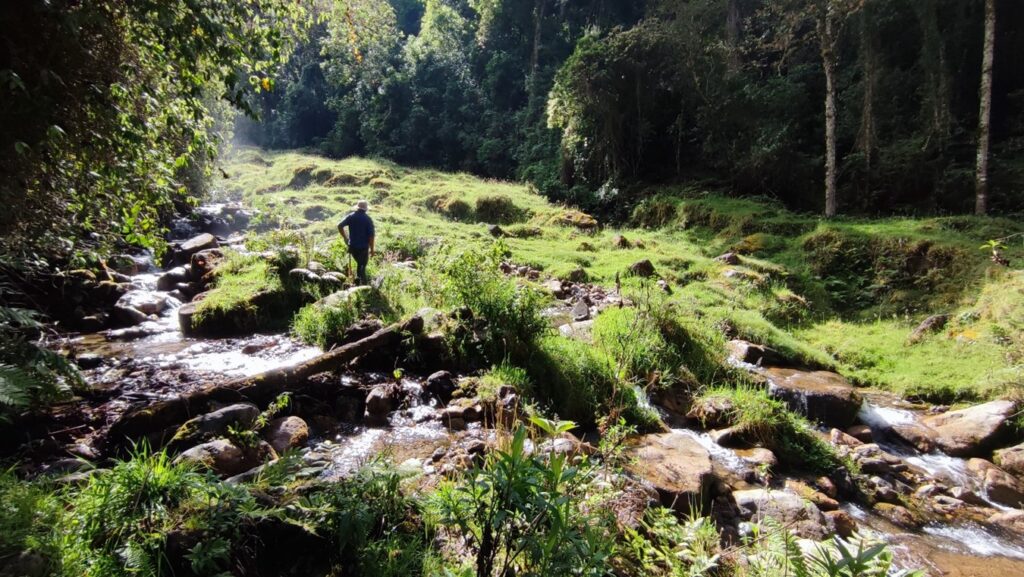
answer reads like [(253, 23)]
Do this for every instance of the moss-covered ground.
[(845, 293)]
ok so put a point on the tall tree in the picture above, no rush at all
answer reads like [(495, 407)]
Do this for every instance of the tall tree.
[(985, 112)]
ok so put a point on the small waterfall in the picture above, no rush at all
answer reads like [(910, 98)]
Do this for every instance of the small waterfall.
[(725, 456)]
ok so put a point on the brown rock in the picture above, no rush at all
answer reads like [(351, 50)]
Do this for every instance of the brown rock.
[(712, 412), (860, 432), (972, 431), (286, 433), (897, 514), (799, 516), (822, 501), (221, 457), (1011, 459), (676, 465), (841, 439), (997, 484), (821, 396), (844, 523), (642, 268)]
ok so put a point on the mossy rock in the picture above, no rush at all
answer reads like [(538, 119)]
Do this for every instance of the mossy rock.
[(498, 209), (577, 219), (302, 176)]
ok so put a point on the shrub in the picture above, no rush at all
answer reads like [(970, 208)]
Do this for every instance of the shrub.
[(502, 375), (511, 311), (324, 323), (30, 375), (498, 209), (498, 507), (578, 382), (28, 515)]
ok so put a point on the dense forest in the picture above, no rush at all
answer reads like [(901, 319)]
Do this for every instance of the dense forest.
[(500, 288), (583, 98)]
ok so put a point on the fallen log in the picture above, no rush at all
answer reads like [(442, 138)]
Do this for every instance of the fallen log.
[(157, 423)]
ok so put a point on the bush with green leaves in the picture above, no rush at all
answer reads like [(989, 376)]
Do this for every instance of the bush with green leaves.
[(578, 382), (664, 545), (31, 375), (523, 514), (471, 279)]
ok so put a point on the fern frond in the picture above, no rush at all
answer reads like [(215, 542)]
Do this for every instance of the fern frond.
[(16, 385)]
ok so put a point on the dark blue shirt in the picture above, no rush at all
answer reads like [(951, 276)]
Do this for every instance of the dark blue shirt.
[(360, 229)]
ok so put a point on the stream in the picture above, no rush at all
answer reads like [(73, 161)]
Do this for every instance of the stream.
[(153, 360)]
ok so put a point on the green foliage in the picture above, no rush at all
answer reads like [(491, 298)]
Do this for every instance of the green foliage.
[(471, 278), (769, 422), (31, 376), (663, 545), (504, 374), (118, 523), (111, 111), (522, 515), (324, 323), (28, 514)]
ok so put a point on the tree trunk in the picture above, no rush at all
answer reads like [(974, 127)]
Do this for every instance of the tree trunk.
[(538, 25), (933, 62), (869, 56), (985, 112), (826, 38), (732, 33)]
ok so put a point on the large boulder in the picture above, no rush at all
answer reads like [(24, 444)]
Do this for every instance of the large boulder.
[(183, 252), (286, 433), (239, 415), (643, 268), (380, 402), (821, 396), (1011, 459), (221, 457), (440, 384), (996, 484), (801, 517), (676, 465), (973, 431), (172, 278)]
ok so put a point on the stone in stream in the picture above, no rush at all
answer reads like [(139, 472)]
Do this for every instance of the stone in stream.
[(221, 457), (821, 396), (1011, 459), (676, 465), (380, 402), (554, 286), (129, 315), (712, 412), (170, 279), (800, 517), (580, 311), (184, 252), (217, 422), (973, 431), (286, 433), (440, 384), (998, 485)]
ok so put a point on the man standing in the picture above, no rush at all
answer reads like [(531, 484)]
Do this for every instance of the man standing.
[(360, 237)]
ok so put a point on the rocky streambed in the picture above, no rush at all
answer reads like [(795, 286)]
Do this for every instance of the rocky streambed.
[(924, 479)]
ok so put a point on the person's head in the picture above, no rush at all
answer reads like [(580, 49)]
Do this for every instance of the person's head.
[(362, 205)]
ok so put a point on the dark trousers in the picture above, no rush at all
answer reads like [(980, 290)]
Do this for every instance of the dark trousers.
[(362, 256)]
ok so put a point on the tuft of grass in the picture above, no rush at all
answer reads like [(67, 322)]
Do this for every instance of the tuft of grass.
[(504, 374), (768, 422)]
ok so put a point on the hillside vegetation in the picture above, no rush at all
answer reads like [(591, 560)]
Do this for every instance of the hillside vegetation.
[(844, 293)]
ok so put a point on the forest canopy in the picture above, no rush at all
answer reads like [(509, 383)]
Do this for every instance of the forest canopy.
[(841, 106)]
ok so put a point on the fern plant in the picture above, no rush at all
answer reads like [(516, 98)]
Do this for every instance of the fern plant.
[(30, 374)]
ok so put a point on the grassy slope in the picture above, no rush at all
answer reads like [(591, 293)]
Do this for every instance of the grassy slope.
[(845, 293)]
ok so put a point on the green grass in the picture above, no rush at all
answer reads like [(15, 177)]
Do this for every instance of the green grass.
[(239, 281), (813, 289), (767, 421)]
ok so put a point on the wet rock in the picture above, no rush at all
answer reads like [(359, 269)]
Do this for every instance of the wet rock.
[(643, 268), (821, 396), (676, 465), (997, 484), (972, 431), (453, 418), (554, 286), (88, 361), (1011, 520), (712, 412), (799, 516), (239, 415), (805, 491), (729, 258), (172, 278), (841, 439), (968, 496), (146, 302), (759, 457), (441, 385), (221, 457), (844, 523), (883, 490), (186, 312), (932, 324), (1011, 459), (380, 402), (860, 432), (896, 513), (129, 315), (286, 433), (914, 434), (729, 437), (580, 311), (183, 253)]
